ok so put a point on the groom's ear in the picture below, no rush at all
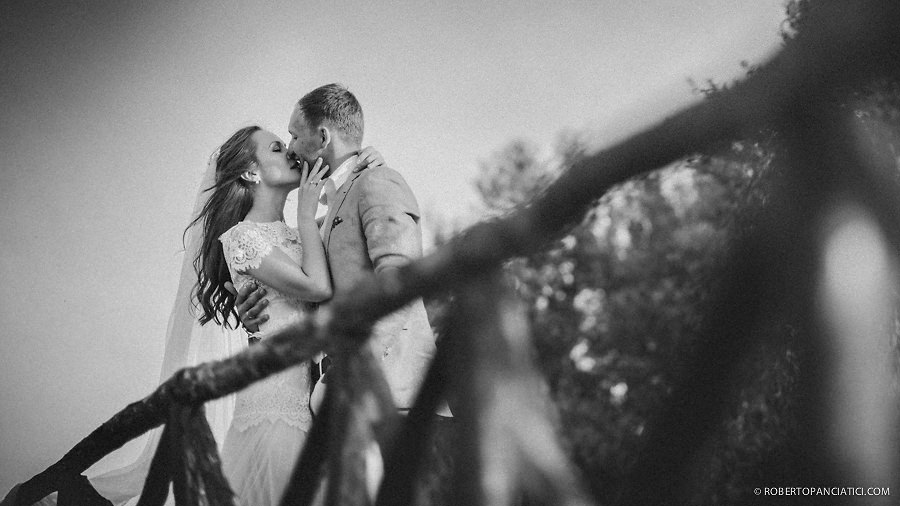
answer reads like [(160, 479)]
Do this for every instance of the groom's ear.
[(324, 136)]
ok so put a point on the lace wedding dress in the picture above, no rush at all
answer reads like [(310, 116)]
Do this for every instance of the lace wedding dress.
[(271, 417)]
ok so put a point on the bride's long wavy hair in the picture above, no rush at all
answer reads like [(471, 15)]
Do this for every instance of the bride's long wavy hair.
[(229, 202)]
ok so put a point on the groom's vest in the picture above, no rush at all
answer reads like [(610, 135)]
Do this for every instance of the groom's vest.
[(373, 224)]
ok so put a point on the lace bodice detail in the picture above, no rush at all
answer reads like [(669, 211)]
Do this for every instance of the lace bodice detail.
[(246, 245), (283, 396)]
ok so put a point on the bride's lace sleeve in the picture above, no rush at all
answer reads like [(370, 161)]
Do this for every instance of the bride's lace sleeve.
[(245, 246)]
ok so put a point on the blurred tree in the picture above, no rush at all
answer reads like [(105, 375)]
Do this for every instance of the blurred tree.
[(617, 303)]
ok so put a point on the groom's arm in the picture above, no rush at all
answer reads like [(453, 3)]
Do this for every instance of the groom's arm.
[(390, 220)]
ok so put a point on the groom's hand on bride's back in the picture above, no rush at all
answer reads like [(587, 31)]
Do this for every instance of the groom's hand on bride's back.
[(368, 158), (249, 304)]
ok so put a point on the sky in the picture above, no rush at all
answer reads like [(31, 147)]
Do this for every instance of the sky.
[(110, 110)]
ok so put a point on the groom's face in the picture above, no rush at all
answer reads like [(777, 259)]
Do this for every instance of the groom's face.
[(305, 143)]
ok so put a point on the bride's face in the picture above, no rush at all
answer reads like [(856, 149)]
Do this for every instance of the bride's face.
[(275, 169)]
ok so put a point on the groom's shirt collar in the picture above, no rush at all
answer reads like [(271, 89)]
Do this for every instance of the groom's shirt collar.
[(340, 175), (335, 181)]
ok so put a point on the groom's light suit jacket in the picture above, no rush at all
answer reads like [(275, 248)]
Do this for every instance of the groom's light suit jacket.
[(373, 224)]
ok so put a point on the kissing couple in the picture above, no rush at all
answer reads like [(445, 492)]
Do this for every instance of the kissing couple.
[(355, 218)]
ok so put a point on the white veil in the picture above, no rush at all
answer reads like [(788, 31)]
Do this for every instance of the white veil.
[(187, 343)]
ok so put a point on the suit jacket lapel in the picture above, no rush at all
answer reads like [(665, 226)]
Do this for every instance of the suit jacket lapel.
[(334, 207)]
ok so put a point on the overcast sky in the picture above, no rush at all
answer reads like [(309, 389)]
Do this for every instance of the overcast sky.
[(110, 110)]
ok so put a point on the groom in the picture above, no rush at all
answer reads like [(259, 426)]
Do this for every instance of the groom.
[(371, 225)]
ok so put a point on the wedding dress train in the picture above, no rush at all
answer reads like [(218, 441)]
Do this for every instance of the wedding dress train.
[(187, 343)]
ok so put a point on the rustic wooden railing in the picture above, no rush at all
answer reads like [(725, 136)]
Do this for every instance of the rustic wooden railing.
[(506, 449)]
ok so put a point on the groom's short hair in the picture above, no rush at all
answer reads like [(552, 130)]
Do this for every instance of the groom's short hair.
[(335, 104)]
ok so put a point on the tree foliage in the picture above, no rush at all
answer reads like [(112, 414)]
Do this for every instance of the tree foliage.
[(617, 303)]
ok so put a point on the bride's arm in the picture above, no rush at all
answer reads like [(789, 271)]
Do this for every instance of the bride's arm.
[(309, 280), (314, 262), (280, 272)]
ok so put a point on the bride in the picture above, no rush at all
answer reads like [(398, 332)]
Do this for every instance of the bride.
[(246, 241)]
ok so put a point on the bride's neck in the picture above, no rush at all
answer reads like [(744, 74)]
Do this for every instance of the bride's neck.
[(267, 206)]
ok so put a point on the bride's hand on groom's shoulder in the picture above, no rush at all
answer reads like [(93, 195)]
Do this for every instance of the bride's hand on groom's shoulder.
[(369, 158)]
